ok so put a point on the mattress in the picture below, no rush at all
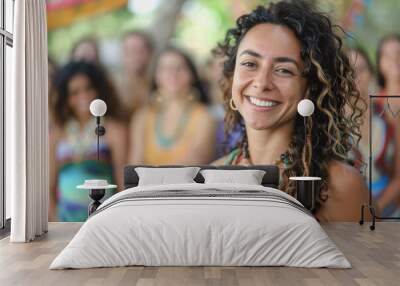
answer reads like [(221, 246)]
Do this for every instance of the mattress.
[(201, 225)]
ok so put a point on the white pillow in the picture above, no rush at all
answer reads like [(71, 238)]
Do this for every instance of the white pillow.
[(248, 177), (162, 176)]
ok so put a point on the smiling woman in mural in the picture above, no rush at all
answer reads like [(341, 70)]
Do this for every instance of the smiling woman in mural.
[(275, 57)]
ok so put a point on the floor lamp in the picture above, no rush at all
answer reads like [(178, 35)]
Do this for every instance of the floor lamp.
[(97, 188), (306, 186)]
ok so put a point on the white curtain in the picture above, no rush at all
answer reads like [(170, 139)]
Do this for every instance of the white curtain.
[(26, 124)]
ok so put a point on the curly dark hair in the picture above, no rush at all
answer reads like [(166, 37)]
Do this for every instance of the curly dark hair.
[(330, 85), (103, 86), (197, 84), (390, 37)]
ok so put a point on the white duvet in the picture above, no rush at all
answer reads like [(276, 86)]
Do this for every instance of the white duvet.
[(185, 230)]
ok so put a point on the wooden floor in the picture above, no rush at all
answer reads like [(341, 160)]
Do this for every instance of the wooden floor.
[(375, 256)]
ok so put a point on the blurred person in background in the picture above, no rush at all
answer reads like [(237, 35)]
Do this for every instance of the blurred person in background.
[(385, 182), (134, 83), (176, 128), (86, 49), (364, 79), (73, 144), (388, 63)]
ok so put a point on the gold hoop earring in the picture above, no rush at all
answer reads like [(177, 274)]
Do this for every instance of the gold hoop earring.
[(232, 104)]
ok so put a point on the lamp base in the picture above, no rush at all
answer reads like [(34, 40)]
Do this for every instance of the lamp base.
[(96, 195)]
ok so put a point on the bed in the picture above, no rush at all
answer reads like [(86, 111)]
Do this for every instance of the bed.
[(201, 224)]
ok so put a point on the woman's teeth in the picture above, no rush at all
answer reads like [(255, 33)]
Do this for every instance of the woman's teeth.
[(263, 103)]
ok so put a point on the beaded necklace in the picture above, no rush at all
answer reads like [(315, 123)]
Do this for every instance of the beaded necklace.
[(167, 141), (238, 155), (80, 139), (242, 153)]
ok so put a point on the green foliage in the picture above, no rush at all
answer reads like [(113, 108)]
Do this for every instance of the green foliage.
[(107, 26), (203, 23)]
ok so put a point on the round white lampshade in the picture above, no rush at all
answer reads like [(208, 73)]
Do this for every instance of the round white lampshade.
[(98, 107), (305, 107), (96, 184)]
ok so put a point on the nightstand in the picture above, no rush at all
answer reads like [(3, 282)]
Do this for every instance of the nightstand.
[(97, 189), (307, 190)]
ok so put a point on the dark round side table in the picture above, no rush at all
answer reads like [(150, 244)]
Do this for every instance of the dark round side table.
[(307, 190), (97, 190)]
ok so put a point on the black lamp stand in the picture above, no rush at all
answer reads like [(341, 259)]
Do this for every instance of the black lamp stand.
[(97, 194), (369, 205), (100, 131)]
